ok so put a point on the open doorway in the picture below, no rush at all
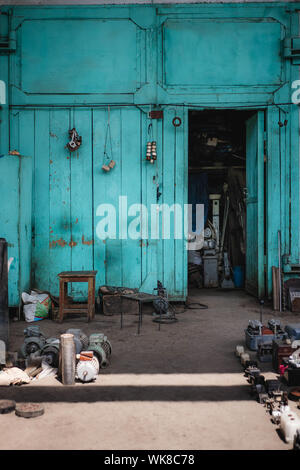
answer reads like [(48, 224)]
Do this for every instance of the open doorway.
[(225, 154)]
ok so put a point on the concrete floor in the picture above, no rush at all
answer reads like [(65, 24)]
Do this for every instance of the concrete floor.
[(178, 388)]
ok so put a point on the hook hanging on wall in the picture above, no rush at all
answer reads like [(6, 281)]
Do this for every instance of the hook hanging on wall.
[(108, 162)]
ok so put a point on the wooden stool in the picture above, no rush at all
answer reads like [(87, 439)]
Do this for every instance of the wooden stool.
[(76, 276)]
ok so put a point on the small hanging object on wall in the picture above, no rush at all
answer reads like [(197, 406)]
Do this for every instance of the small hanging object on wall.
[(151, 154), (75, 140), (108, 163)]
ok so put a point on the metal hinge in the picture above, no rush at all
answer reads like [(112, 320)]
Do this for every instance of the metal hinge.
[(291, 50), (8, 44)]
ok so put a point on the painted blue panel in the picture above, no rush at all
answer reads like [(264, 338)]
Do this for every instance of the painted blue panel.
[(255, 204), (220, 53), (71, 56), (9, 219)]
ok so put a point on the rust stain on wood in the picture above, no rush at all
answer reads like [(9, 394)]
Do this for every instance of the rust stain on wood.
[(86, 242), (72, 243), (61, 242)]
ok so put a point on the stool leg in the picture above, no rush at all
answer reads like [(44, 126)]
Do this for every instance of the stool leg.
[(91, 298), (63, 292), (93, 287)]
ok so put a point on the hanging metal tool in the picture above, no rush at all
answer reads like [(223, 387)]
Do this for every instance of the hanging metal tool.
[(75, 140)]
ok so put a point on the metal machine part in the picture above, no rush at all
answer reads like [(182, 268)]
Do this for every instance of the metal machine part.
[(265, 352), (207, 232), (254, 327), (275, 325), (80, 339), (227, 282), (272, 385), (101, 347), (34, 341), (50, 351), (86, 371), (289, 425), (250, 364), (294, 359), (251, 372), (210, 270), (262, 397), (161, 306), (215, 198), (75, 140)]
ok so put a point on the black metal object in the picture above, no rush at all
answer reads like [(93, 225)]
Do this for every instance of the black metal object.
[(4, 323), (141, 298)]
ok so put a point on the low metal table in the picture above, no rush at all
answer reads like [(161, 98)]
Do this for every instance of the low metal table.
[(141, 298)]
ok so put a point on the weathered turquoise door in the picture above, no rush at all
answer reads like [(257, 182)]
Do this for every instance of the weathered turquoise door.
[(69, 187), (255, 204)]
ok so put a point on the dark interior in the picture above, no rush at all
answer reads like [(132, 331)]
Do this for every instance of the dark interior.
[(217, 166)]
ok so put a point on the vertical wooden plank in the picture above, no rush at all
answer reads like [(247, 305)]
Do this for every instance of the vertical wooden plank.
[(100, 190), (159, 132), (273, 192), (285, 183), (81, 188), (26, 130), (260, 202), (295, 175), (255, 204), (131, 187), (168, 197), (60, 197), (4, 103), (43, 162), (294, 156), (9, 210), (107, 189), (144, 199), (151, 176), (181, 170), (113, 180)]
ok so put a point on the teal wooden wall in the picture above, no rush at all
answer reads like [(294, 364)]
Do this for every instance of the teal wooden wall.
[(70, 63)]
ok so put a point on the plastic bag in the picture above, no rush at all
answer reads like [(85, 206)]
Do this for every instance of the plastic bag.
[(36, 306)]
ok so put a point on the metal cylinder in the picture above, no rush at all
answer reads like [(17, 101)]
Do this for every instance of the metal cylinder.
[(68, 356)]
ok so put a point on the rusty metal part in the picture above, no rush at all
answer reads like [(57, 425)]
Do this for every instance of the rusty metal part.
[(156, 114), (7, 406), (29, 410)]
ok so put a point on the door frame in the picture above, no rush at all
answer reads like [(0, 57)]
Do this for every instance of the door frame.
[(268, 225)]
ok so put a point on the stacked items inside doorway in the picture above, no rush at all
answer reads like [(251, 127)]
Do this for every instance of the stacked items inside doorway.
[(217, 179)]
